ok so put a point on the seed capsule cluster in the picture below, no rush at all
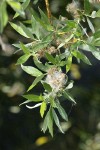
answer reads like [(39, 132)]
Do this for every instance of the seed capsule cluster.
[(56, 79)]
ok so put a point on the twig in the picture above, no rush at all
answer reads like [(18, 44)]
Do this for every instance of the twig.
[(48, 9)]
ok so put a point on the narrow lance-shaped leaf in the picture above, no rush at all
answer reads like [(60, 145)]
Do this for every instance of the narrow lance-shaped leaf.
[(50, 122), (16, 6), (33, 97), (3, 16), (44, 17), (47, 87), (42, 109), (81, 56), (98, 13), (40, 65), (68, 96), (50, 58), (38, 79), (70, 85), (55, 117), (62, 112), (19, 29), (24, 6), (23, 59), (96, 53), (68, 63), (31, 70), (45, 123), (27, 31), (90, 25), (87, 6), (24, 48)]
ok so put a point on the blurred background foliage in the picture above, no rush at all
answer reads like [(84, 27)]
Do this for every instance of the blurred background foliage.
[(20, 127)]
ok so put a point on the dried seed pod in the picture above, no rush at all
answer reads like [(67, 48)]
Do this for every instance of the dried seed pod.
[(56, 79), (72, 8)]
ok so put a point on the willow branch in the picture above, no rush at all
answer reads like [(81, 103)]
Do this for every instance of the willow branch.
[(48, 9)]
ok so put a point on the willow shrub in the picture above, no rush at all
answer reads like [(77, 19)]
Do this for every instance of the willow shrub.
[(57, 41)]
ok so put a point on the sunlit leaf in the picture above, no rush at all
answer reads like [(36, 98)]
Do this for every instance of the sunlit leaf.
[(3, 16), (24, 48), (70, 85), (96, 53), (19, 29), (38, 79), (68, 64), (31, 70), (98, 13), (90, 25), (23, 59), (42, 109), (16, 6), (81, 56), (40, 65), (33, 97), (27, 31), (24, 6)]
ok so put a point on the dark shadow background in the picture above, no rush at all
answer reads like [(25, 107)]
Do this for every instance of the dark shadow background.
[(20, 127)]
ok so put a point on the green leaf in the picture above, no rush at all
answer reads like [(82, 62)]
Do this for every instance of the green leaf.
[(70, 85), (69, 63), (16, 6), (24, 48), (56, 120), (98, 13), (50, 58), (62, 112), (43, 109), (87, 6), (31, 70), (47, 87), (50, 122), (97, 34), (81, 56), (52, 101), (45, 123), (68, 96), (23, 59), (44, 18), (3, 16), (24, 6), (39, 46), (40, 65), (19, 29), (43, 24), (36, 27), (96, 53), (33, 97), (38, 79), (90, 25), (27, 31)]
